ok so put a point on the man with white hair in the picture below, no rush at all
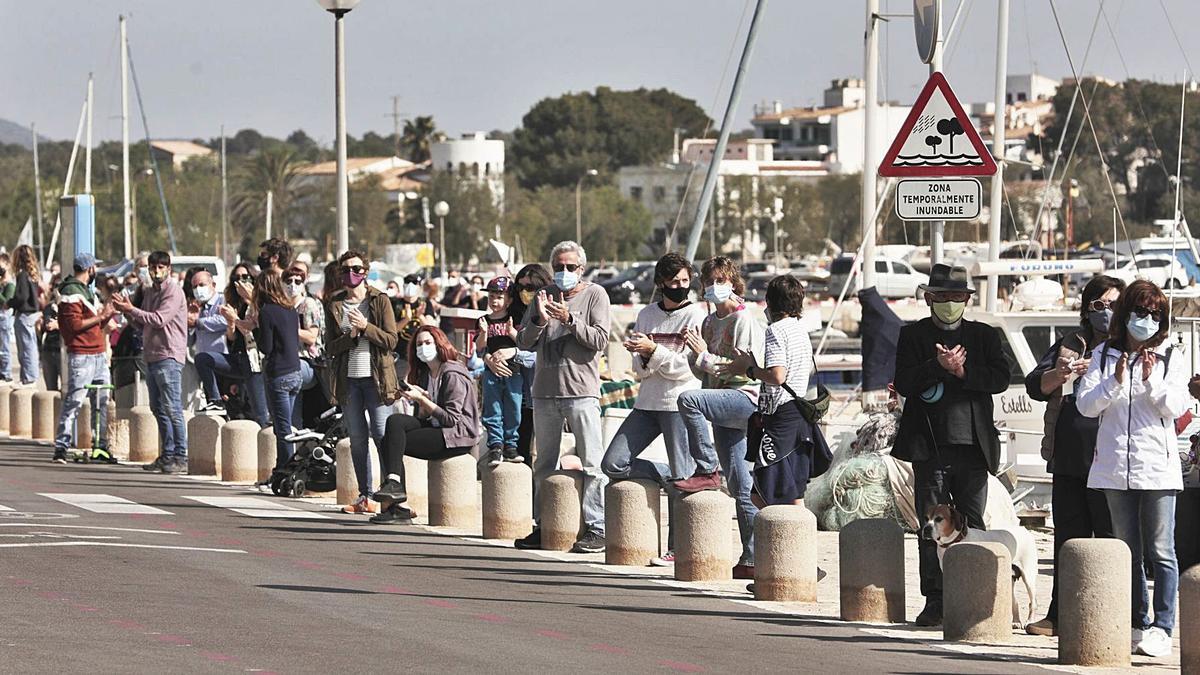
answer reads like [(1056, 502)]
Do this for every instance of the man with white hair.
[(567, 325)]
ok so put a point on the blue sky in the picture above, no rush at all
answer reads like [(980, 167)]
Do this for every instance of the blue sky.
[(477, 65)]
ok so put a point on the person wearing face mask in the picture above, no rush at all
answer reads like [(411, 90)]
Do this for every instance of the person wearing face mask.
[(81, 322), (568, 327), (529, 280), (479, 294), (7, 288), (208, 327), (163, 319), (1069, 439), (26, 313), (445, 423), (725, 400), (360, 336), (279, 341), (311, 316), (409, 308), (948, 368), (1138, 391), (274, 255)]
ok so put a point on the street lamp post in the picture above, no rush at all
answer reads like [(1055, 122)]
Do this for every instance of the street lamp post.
[(339, 9), (578, 205), (440, 210)]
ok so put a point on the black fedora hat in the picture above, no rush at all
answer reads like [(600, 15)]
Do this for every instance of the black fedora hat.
[(947, 279)]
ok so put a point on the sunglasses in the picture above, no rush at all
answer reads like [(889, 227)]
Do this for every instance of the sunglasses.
[(1099, 305), (1144, 312), (570, 267), (295, 281), (242, 277), (356, 269)]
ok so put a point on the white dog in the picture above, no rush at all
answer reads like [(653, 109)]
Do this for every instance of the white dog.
[(946, 527)]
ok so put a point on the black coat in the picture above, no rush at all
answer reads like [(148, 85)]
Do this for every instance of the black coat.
[(1069, 443), (987, 372)]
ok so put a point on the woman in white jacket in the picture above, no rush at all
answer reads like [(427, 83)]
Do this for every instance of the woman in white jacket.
[(1137, 390)]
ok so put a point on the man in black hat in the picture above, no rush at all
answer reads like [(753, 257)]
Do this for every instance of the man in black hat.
[(947, 368)]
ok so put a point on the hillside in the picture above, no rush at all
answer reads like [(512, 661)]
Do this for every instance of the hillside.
[(17, 134)]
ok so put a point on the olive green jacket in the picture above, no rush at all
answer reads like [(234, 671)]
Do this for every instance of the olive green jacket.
[(380, 332)]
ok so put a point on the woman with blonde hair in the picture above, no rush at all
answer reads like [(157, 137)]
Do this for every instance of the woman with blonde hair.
[(26, 312)]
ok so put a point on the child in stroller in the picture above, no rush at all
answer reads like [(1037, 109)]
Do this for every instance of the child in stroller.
[(312, 466)]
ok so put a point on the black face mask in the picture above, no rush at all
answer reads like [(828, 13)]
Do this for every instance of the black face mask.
[(264, 261), (675, 294)]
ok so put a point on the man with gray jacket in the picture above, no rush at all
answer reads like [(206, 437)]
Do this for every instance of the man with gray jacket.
[(567, 326)]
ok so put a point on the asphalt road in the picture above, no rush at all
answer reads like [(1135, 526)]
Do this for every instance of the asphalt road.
[(207, 589)]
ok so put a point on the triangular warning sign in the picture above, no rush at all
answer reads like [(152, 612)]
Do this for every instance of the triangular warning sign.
[(937, 139)]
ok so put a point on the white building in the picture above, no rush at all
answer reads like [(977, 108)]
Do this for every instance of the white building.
[(474, 156), (1029, 111), (395, 175), (1031, 87), (831, 133), (178, 152)]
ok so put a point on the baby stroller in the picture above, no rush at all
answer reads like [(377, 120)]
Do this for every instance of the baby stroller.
[(312, 466)]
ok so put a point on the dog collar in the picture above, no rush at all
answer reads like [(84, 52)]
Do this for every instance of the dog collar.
[(961, 535)]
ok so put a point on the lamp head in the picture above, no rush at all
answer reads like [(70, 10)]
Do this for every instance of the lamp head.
[(337, 6), (440, 209)]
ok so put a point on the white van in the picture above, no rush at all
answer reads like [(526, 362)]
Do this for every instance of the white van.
[(180, 264), (893, 278)]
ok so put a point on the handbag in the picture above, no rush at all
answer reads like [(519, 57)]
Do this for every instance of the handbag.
[(813, 409)]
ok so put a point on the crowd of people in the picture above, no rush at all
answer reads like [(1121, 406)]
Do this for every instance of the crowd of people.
[(531, 368)]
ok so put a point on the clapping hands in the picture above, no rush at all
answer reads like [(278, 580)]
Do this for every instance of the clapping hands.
[(952, 360)]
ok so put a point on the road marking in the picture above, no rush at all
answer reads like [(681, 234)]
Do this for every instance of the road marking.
[(97, 503), (120, 545), (4, 508), (90, 527), (256, 508)]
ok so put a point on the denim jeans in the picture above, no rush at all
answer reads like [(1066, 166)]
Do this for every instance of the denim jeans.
[(164, 379), (283, 391), (501, 414), (728, 410), (6, 338), (361, 401), (28, 352), (82, 370), (582, 414), (235, 367), (1145, 521)]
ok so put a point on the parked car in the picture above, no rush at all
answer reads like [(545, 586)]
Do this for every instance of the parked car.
[(1152, 267), (893, 278)]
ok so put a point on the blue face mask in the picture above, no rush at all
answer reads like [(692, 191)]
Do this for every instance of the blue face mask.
[(566, 280), (1100, 320), (718, 293), (1142, 328)]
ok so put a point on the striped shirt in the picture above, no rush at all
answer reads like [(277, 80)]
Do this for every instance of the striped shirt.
[(786, 345), (359, 362)]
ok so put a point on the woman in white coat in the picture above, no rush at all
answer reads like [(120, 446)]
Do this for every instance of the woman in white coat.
[(1137, 390)]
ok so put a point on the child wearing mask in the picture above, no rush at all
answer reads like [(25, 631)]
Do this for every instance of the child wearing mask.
[(503, 380)]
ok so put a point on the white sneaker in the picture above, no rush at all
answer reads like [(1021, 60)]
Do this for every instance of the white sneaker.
[(1135, 639), (1155, 643)]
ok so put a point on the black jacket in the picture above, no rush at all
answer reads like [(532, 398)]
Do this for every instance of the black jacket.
[(25, 298), (917, 369), (1069, 442)]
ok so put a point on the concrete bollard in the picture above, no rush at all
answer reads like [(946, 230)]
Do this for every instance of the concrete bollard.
[(507, 501), (977, 592), (632, 521), (871, 571), (347, 481), (118, 438), (266, 452), (452, 492), (559, 505), (1189, 621), (703, 548), (5, 397), (44, 420), (785, 554), (204, 445), (239, 451), (416, 484), (20, 420), (83, 426), (143, 435), (1093, 614)]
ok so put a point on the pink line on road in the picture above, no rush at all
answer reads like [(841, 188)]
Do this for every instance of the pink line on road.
[(492, 618), (174, 639), (220, 658), (553, 634), (609, 649), (308, 565), (127, 624), (350, 576), (396, 590), (444, 604), (84, 608), (681, 667)]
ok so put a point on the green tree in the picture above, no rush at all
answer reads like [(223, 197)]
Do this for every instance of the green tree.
[(274, 171), (417, 135)]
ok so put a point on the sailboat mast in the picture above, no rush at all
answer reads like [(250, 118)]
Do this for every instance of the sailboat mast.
[(37, 193), (224, 204), (87, 151), (999, 125), (127, 214), (870, 134)]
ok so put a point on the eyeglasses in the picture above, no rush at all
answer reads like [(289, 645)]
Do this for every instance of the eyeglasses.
[(1144, 312), (242, 277), (356, 269), (1099, 305), (570, 267)]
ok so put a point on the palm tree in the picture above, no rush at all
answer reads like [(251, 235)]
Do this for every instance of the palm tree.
[(274, 170), (418, 133)]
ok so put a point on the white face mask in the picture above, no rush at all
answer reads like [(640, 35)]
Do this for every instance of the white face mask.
[(426, 352), (412, 291), (203, 293)]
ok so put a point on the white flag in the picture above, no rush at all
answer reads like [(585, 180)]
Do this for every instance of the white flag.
[(26, 236)]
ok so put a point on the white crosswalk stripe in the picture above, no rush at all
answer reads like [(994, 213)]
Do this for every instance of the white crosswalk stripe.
[(4, 508), (256, 508), (99, 503)]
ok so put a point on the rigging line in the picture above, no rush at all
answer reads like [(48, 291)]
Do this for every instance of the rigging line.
[(1087, 113), (1137, 98), (1171, 25), (162, 198), (1032, 63), (1071, 158), (687, 186), (954, 36), (1070, 112)]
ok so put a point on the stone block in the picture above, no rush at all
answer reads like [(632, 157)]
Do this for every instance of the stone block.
[(507, 501), (44, 420), (266, 452), (1093, 596), (1189, 621), (559, 510), (239, 451), (347, 481), (204, 445), (20, 421), (83, 426), (977, 593), (144, 444), (871, 571), (703, 543), (416, 484), (632, 522), (785, 554), (452, 492), (118, 438), (6, 391)]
